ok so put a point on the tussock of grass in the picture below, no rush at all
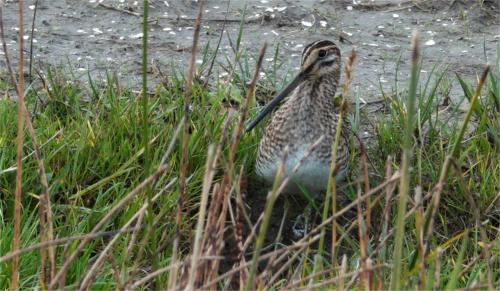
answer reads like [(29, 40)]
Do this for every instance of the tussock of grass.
[(95, 153), (91, 137)]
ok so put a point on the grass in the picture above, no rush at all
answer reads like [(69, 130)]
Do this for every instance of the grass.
[(91, 136)]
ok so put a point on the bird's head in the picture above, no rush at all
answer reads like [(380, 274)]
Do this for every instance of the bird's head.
[(320, 58), (320, 62)]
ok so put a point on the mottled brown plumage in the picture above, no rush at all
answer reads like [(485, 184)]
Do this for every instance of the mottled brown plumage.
[(308, 114)]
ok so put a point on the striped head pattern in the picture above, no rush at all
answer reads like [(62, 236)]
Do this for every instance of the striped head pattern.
[(320, 64), (320, 58)]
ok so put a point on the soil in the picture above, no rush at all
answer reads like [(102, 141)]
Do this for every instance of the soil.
[(105, 35)]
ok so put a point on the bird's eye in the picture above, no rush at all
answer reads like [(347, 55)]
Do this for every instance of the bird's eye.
[(322, 53)]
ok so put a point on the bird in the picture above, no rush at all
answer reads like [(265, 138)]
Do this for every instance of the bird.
[(309, 113)]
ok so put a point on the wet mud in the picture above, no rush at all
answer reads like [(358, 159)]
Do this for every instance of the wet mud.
[(96, 36)]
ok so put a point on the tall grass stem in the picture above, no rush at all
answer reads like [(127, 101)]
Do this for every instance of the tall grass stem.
[(185, 141), (20, 142), (405, 167)]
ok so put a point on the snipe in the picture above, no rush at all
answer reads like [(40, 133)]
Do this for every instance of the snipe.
[(309, 113)]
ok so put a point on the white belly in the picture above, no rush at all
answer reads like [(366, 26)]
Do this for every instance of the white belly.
[(312, 174)]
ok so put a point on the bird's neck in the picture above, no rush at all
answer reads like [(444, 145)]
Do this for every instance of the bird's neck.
[(319, 90)]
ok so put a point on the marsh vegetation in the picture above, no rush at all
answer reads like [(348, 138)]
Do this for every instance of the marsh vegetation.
[(131, 188)]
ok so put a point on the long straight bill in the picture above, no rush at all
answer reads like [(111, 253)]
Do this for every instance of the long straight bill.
[(276, 100)]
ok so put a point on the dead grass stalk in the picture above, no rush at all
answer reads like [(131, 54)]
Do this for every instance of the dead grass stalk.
[(185, 140)]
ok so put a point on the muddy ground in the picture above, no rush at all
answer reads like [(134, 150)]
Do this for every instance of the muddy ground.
[(100, 35)]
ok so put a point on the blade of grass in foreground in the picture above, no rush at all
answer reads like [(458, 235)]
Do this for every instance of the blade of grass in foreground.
[(207, 181), (453, 154), (452, 283), (405, 167), (145, 113), (145, 132), (271, 198), (472, 108), (172, 280), (331, 194), (20, 139)]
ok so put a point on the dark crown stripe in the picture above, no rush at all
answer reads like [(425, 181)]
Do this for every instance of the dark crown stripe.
[(306, 49), (315, 45)]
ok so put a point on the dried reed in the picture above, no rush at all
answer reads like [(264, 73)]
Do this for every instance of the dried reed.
[(185, 140), (20, 142)]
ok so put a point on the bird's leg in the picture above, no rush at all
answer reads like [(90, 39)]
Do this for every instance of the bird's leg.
[(301, 223)]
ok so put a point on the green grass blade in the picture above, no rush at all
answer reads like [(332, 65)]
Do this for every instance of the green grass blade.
[(397, 266), (452, 283)]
